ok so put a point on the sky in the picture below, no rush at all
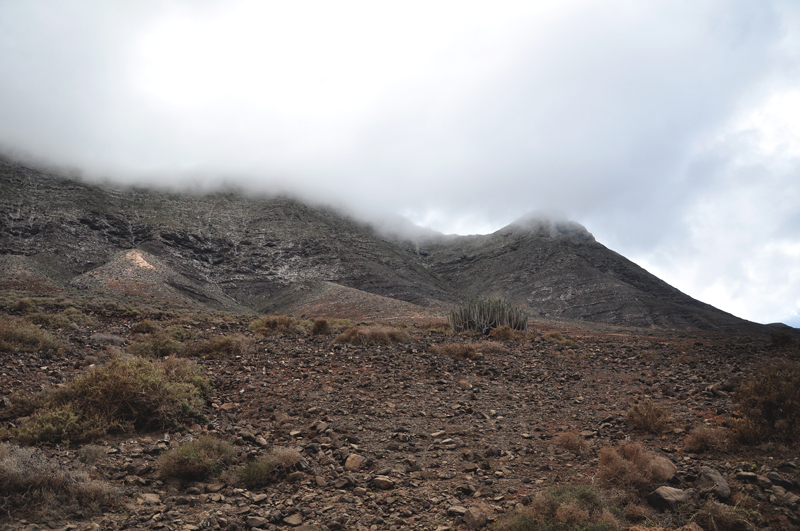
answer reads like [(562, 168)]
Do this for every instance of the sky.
[(669, 128)]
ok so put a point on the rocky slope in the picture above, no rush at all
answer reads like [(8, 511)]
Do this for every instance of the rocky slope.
[(274, 254), (403, 437)]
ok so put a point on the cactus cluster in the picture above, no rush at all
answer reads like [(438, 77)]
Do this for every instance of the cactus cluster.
[(482, 315)]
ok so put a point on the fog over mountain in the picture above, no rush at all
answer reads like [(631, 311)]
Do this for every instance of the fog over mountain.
[(670, 130)]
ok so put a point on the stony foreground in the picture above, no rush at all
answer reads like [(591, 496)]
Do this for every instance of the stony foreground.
[(398, 437)]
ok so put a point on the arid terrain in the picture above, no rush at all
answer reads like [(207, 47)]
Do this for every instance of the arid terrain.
[(411, 427)]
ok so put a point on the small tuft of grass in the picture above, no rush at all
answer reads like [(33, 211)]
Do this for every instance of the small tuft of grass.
[(373, 335), (320, 327), (633, 469), (707, 439), (197, 460), (159, 345), (145, 327), (268, 468), (573, 442), (649, 417)]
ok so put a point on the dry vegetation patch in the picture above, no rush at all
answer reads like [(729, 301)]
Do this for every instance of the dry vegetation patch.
[(564, 508), (771, 405), (18, 335), (373, 335), (32, 484), (707, 439), (219, 347), (272, 325), (198, 459), (649, 417), (122, 395), (268, 468), (459, 351), (632, 468)]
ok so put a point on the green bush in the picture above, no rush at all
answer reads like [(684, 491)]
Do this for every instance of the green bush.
[(482, 316), (196, 460), (770, 404), (122, 395)]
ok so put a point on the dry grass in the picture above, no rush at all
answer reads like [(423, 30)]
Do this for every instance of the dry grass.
[(17, 335), (457, 351), (272, 325), (715, 516), (122, 395), (268, 468), (632, 468), (320, 327), (373, 335), (219, 347), (63, 319), (649, 417), (33, 485), (771, 405), (145, 327), (506, 333), (573, 442), (563, 508), (556, 337), (490, 347), (159, 345), (197, 460), (707, 439)]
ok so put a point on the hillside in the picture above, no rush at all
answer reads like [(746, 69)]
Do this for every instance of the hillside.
[(228, 251)]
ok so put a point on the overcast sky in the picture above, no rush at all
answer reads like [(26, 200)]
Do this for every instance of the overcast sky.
[(670, 129)]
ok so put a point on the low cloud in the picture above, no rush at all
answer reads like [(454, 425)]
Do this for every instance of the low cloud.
[(666, 128)]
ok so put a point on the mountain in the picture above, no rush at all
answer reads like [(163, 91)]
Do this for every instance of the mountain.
[(226, 250)]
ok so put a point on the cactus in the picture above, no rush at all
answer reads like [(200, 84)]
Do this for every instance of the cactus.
[(482, 315)]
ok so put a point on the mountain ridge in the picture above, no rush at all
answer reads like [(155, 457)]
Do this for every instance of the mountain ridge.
[(230, 251)]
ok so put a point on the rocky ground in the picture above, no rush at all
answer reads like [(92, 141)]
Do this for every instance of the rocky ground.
[(400, 437)]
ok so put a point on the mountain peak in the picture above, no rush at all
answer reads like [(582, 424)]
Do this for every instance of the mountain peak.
[(543, 225)]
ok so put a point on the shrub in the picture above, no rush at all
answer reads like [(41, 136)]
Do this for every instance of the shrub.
[(506, 333), (771, 405), (482, 316), (220, 347), (145, 327), (490, 347), (271, 325), (649, 417), (16, 335), (198, 459), (631, 467), (32, 483), (321, 327), (704, 439), (556, 337), (457, 351), (573, 442), (372, 335), (155, 346), (563, 508), (268, 468), (25, 305), (121, 395)]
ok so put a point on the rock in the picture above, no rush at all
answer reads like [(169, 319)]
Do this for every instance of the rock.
[(383, 483), (711, 482), (763, 482), (456, 510), (293, 520), (668, 498), (746, 476), (779, 480), (150, 498), (295, 476), (354, 462), (475, 518), (257, 521), (194, 491)]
